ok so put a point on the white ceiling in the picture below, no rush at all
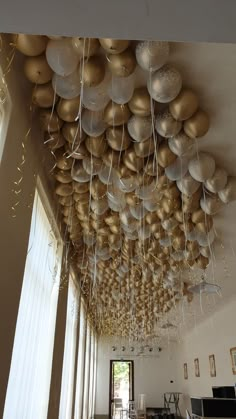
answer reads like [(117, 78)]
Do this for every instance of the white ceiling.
[(175, 20)]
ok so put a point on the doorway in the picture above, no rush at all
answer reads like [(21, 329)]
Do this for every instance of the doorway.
[(121, 388)]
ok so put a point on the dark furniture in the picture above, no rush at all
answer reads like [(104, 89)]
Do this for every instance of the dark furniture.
[(209, 407)]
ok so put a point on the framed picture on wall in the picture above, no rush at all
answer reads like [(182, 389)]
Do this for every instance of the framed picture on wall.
[(233, 359), (185, 371), (196, 367), (212, 365)]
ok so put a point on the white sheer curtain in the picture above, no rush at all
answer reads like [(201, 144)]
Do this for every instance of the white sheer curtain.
[(91, 376), (66, 401), (30, 374), (87, 374), (80, 365)]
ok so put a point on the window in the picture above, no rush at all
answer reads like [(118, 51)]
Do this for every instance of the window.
[(5, 109), (80, 365), (67, 388), (29, 380), (87, 373)]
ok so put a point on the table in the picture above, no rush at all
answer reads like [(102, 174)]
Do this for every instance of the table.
[(172, 398)]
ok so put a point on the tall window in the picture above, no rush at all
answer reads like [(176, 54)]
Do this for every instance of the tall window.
[(80, 365), (29, 380), (69, 351)]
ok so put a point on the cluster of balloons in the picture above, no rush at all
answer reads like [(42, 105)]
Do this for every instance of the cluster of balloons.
[(131, 183)]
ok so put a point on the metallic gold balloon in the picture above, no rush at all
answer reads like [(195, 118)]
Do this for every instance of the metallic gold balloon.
[(64, 189), (140, 104), (30, 45), (62, 161), (197, 125), (85, 47), (44, 96), (144, 148), (166, 125), (115, 114), (132, 200), (178, 243), (152, 218), (98, 189), (54, 140), (97, 146), (72, 133), (162, 215), (68, 109), (118, 138), (78, 152), (172, 192), (114, 46), (184, 105), (122, 65), (115, 229), (37, 70), (165, 156), (81, 197), (187, 226), (202, 262), (63, 176), (81, 187), (199, 216), (111, 158), (190, 206), (49, 120), (132, 161), (206, 225), (152, 168), (93, 71), (170, 205)]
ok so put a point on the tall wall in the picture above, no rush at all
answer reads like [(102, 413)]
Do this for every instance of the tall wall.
[(216, 335), (152, 376)]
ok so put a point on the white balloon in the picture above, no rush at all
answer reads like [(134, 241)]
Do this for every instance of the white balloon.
[(165, 84), (178, 169), (218, 181), (144, 232), (192, 254), (146, 191), (61, 56), (138, 211), (151, 204), (205, 239), (116, 207), (187, 185), (79, 174), (228, 194), (202, 167), (140, 128), (93, 123), (166, 241), (106, 175), (205, 251), (89, 239), (92, 165), (121, 89), (182, 145), (210, 204), (125, 184), (169, 224), (67, 87), (96, 98), (99, 206), (178, 256), (152, 55), (115, 195)]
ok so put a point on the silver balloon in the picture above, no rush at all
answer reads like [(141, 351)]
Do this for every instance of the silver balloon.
[(61, 57), (165, 84), (165, 242), (169, 224), (67, 87), (93, 123), (152, 55), (138, 212), (187, 185), (126, 185), (92, 165), (144, 232), (182, 145), (79, 174), (166, 125), (106, 175), (228, 194), (178, 256), (96, 98), (217, 182), (121, 89), (178, 169), (151, 204), (205, 251), (100, 206), (202, 167), (140, 128), (117, 207), (146, 191), (210, 204), (205, 239)]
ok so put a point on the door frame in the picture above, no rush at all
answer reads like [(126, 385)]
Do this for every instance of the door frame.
[(110, 380)]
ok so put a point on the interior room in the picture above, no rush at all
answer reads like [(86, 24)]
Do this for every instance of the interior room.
[(118, 202)]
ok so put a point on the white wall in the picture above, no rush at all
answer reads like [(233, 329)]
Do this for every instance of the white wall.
[(152, 376), (216, 335)]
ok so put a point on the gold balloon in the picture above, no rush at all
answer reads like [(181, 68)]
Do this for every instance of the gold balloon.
[(62, 161), (64, 189), (97, 146), (190, 206), (118, 138), (197, 125), (78, 152), (144, 148), (199, 216), (72, 133), (49, 120), (170, 205), (98, 189), (172, 192), (115, 114), (202, 262), (166, 125), (178, 243), (152, 168), (93, 72), (114, 46), (111, 158), (165, 156), (66, 201), (37, 70), (44, 96), (140, 103), (162, 215), (31, 45), (85, 47), (187, 226), (132, 200), (79, 196), (132, 161), (68, 109), (152, 218), (112, 220), (81, 187), (184, 105), (63, 176), (115, 229), (193, 246), (122, 65), (54, 140), (205, 226)]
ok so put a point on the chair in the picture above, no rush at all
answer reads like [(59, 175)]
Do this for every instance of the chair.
[(132, 410), (188, 416), (117, 406)]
